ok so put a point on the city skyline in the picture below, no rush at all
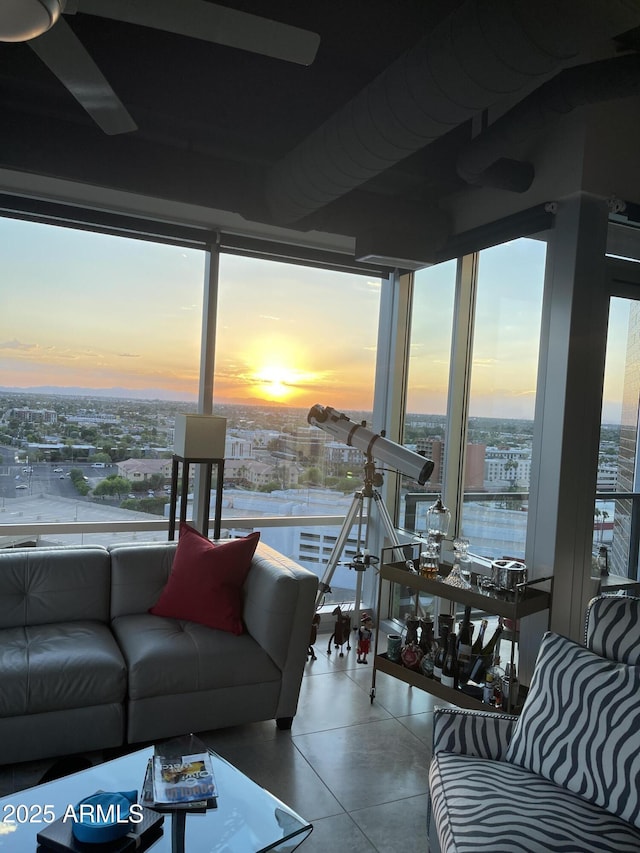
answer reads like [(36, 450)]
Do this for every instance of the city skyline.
[(75, 320)]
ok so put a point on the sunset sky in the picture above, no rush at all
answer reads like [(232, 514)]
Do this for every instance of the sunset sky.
[(309, 336), (75, 317), (94, 311)]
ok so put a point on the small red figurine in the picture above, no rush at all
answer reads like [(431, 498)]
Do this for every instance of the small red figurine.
[(365, 632)]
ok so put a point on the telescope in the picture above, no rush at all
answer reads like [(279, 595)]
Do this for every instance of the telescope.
[(373, 445)]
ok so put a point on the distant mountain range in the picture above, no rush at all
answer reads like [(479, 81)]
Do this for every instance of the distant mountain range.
[(118, 393)]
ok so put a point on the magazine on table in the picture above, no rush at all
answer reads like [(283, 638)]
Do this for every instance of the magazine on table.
[(148, 797), (183, 779), (180, 776)]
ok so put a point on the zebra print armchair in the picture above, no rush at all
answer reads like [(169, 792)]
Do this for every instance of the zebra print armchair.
[(565, 774)]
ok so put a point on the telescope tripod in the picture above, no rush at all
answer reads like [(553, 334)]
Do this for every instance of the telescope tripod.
[(367, 496)]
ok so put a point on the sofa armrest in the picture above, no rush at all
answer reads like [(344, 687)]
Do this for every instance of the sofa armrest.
[(481, 733), (278, 610)]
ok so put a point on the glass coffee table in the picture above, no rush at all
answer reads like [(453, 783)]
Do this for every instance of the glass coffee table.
[(247, 817)]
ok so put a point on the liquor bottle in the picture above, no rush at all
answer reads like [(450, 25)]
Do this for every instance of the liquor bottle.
[(423, 563), (450, 666), (487, 655), (426, 664), (493, 646), (478, 670), (476, 648), (429, 647), (441, 653), (510, 687), (498, 698), (464, 645), (428, 563), (411, 655), (487, 690), (426, 635), (492, 690)]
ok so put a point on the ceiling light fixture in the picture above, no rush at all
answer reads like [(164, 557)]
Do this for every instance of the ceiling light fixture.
[(23, 20)]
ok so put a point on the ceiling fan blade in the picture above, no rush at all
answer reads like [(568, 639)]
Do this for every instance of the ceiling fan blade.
[(210, 22), (64, 55)]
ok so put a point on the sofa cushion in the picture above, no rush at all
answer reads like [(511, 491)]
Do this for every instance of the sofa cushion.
[(480, 805), (58, 666), (580, 726), (139, 573), (171, 656), (41, 586), (206, 580)]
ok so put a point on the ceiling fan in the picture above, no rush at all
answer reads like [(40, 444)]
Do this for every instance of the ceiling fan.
[(39, 23)]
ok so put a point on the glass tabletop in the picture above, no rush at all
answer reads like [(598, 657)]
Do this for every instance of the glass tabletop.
[(247, 817)]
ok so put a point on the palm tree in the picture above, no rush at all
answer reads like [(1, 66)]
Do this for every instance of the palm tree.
[(596, 523)]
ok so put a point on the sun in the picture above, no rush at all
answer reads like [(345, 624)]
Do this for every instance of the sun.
[(276, 382)]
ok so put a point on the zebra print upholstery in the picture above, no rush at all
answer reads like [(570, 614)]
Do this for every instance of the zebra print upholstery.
[(580, 726), (478, 801), (480, 733), (612, 628), (481, 805)]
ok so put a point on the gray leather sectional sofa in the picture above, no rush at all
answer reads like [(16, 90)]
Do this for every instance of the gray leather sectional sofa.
[(84, 665)]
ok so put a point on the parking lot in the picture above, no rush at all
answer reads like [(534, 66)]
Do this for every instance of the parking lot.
[(19, 479)]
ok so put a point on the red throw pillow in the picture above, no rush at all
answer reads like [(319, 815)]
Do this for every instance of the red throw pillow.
[(206, 580)]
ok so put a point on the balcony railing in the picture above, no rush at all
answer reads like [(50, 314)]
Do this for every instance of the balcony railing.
[(414, 499), (158, 525), (618, 528)]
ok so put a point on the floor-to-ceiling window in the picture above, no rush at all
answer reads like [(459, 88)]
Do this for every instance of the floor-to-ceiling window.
[(99, 348), (618, 436), (504, 364), (500, 299), (290, 337), (616, 533), (425, 423), (471, 387)]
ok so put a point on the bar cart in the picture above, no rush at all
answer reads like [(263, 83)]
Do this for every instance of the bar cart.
[(526, 599)]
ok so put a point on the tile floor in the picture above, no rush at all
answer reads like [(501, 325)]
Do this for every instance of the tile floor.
[(356, 769)]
